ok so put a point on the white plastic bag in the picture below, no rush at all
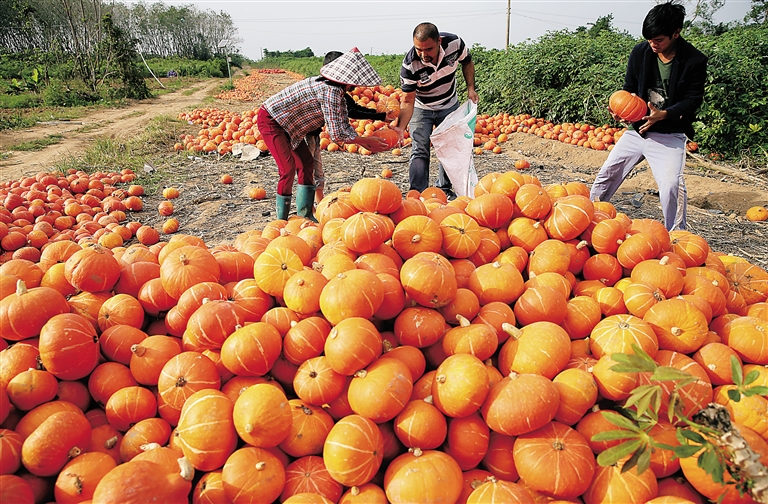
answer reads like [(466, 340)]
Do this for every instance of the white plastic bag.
[(453, 141)]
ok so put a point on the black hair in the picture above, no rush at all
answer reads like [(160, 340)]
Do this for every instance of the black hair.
[(426, 31), (331, 56), (663, 19)]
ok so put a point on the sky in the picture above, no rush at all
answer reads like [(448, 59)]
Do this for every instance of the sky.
[(385, 26)]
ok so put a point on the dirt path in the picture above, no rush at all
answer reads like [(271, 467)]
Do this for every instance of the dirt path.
[(109, 123)]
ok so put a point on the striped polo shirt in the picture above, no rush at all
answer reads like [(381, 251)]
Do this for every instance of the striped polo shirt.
[(435, 85)]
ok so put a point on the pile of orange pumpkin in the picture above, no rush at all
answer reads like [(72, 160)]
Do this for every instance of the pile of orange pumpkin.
[(247, 88), (77, 207), (490, 131), (221, 129), (400, 350)]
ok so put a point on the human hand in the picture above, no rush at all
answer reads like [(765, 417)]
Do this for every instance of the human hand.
[(373, 143), (615, 116), (392, 114), (472, 95), (655, 116), (400, 134)]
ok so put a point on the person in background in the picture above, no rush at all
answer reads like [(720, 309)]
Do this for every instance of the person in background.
[(354, 111), (669, 74), (428, 78), (287, 117)]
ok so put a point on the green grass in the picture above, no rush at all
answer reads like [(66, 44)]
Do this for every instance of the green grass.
[(37, 144), (17, 101), (24, 118), (109, 154)]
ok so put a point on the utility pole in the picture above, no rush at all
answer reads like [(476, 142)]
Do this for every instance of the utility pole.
[(506, 47)]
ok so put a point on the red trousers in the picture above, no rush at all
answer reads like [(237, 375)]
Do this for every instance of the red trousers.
[(289, 162)]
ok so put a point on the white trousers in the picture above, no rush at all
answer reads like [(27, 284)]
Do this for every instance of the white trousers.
[(665, 153)]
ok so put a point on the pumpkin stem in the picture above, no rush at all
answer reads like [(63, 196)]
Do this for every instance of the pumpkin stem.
[(416, 451), (149, 446), (300, 282), (463, 321), (416, 238), (429, 399), (181, 381), (260, 466), (511, 330), (355, 491), (74, 452), (558, 445), (248, 428), (317, 267), (333, 334), (305, 410), (183, 259), (386, 346), (664, 260), (186, 471), (21, 288), (676, 331), (361, 374), (440, 378), (138, 349), (110, 443), (581, 244)]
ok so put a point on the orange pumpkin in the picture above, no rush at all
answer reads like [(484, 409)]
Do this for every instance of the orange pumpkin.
[(206, 430), (309, 477), (262, 416), (628, 106), (423, 476), (58, 438), (69, 347), (79, 478), (520, 403), (92, 269), (555, 460), (382, 390), (187, 266), (354, 293), (44, 302), (353, 450)]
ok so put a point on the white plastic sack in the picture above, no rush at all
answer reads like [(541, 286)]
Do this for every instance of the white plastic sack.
[(453, 141)]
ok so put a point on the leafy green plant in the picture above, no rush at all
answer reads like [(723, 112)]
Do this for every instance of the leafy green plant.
[(640, 413)]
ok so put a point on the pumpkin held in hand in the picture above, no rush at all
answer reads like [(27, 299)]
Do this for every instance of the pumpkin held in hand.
[(390, 136), (628, 106)]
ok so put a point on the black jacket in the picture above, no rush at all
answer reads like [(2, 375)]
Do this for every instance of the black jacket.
[(686, 84)]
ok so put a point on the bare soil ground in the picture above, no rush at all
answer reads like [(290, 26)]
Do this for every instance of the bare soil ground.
[(718, 194)]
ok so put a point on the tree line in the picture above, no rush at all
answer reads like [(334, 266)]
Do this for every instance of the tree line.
[(160, 30), (100, 42)]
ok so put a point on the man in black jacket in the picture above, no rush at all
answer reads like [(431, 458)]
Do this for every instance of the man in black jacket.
[(669, 74)]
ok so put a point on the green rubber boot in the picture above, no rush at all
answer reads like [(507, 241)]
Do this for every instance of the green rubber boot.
[(305, 198), (283, 204)]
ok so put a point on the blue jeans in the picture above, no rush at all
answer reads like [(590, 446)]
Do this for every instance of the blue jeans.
[(421, 126)]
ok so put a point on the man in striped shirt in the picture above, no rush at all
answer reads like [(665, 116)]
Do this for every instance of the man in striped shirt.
[(428, 78)]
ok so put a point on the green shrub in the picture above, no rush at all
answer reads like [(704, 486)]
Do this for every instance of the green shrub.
[(60, 94), (216, 67), (734, 116)]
